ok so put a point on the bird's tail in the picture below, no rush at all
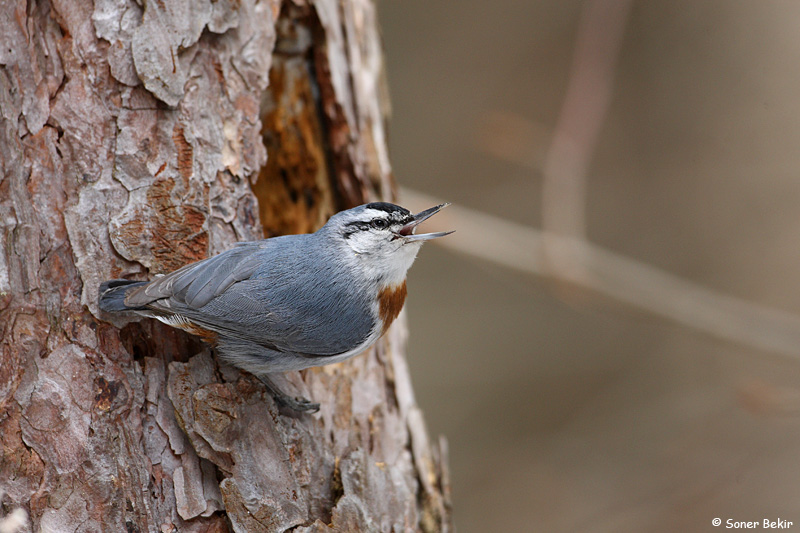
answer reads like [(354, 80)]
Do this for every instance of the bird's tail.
[(112, 295)]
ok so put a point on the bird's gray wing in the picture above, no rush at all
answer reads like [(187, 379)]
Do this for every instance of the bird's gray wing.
[(198, 283), (310, 314), (276, 293)]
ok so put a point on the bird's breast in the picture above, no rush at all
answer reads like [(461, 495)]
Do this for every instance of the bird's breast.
[(390, 302)]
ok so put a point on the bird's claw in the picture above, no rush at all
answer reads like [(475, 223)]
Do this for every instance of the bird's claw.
[(297, 403)]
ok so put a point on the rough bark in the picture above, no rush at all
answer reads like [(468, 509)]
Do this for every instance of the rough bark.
[(135, 138)]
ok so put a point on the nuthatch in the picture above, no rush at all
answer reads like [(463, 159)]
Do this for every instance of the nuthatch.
[(290, 302)]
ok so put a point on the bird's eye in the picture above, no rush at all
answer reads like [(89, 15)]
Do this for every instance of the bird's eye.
[(379, 223)]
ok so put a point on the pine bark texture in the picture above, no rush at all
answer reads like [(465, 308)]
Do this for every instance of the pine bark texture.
[(136, 137)]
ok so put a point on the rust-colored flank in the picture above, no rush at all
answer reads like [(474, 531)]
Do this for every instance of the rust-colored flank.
[(208, 336), (391, 300)]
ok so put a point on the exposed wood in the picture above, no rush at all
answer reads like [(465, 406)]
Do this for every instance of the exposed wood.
[(133, 140)]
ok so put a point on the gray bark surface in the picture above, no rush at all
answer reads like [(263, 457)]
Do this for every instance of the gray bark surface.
[(136, 138)]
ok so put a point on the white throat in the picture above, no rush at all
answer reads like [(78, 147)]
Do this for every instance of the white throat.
[(389, 261)]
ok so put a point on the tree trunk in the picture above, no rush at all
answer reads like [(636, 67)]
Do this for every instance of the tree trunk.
[(138, 137)]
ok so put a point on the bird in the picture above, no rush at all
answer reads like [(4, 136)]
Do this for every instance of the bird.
[(290, 302)]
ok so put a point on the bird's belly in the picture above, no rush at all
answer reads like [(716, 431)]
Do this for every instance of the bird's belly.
[(299, 362)]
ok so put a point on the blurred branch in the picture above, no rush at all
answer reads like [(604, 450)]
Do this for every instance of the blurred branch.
[(588, 95), (648, 288)]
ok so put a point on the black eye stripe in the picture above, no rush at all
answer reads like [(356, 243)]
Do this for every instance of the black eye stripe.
[(378, 223), (357, 225)]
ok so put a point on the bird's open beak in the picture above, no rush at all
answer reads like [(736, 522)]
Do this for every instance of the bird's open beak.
[(407, 231)]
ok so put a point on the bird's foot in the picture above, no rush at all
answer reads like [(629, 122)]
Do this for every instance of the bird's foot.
[(297, 403)]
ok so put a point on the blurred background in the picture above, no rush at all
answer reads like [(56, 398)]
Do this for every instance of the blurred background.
[(667, 134)]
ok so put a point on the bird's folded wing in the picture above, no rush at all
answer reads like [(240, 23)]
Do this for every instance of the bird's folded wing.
[(198, 283)]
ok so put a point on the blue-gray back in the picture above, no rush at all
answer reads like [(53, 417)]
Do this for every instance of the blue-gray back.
[(285, 293)]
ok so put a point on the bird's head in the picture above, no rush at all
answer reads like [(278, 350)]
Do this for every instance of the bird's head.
[(382, 237)]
